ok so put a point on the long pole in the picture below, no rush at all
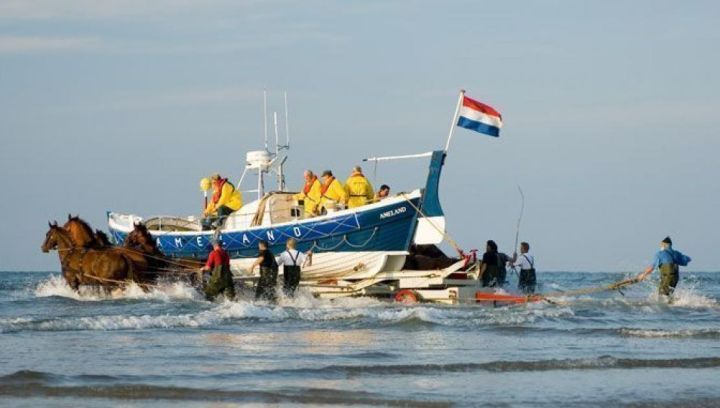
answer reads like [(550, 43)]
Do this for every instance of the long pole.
[(287, 126), (522, 209), (265, 118), (453, 122), (277, 138)]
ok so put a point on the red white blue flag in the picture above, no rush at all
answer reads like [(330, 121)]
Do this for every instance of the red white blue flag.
[(479, 117)]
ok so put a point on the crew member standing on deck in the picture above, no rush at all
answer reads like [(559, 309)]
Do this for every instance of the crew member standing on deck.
[(490, 266), (668, 261), (358, 188), (310, 195), (526, 262), (265, 288), (218, 264), (332, 192), (292, 262)]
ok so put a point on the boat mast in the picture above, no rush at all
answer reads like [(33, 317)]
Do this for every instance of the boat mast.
[(265, 118), (260, 181), (266, 161), (287, 126), (260, 188), (280, 169), (277, 138), (278, 147)]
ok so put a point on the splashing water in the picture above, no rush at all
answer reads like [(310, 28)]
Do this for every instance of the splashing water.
[(690, 297), (55, 285)]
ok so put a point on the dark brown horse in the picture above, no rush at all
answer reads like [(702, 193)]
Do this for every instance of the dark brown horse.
[(81, 266), (140, 239), (102, 238)]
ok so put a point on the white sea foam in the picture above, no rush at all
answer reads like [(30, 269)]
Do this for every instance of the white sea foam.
[(688, 297), (219, 314), (55, 285), (304, 308), (682, 333)]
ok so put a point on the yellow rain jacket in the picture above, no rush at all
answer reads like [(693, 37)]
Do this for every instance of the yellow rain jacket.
[(310, 196), (334, 191), (229, 197), (359, 190)]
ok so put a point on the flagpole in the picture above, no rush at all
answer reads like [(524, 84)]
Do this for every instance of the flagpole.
[(453, 123)]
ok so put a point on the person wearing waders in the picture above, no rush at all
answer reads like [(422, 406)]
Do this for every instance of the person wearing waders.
[(218, 264), (668, 261), (265, 288), (292, 262), (526, 264), (490, 267), (503, 260)]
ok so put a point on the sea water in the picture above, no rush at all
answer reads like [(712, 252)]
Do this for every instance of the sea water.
[(170, 346)]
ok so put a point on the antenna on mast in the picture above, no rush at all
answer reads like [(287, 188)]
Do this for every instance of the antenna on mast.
[(265, 117), (287, 126), (277, 137), (281, 160)]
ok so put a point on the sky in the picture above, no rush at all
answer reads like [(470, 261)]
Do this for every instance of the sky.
[(610, 113)]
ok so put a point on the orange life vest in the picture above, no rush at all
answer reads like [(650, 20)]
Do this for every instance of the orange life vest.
[(218, 190), (324, 188), (309, 184)]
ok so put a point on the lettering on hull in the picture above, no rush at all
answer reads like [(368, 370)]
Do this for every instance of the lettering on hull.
[(392, 213), (323, 232)]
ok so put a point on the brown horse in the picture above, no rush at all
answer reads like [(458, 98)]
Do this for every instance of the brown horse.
[(81, 266), (141, 239), (83, 237), (81, 233)]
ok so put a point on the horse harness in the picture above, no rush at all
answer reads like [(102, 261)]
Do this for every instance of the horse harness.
[(65, 263), (83, 252)]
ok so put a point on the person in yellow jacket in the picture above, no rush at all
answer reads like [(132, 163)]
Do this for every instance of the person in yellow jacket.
[(358, 189), (225, 200), (331, 191), (310, 194)]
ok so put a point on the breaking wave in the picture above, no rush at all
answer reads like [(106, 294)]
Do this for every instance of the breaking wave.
[(685, 333)]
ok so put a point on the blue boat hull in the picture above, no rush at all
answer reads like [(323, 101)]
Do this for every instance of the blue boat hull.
[(384, 228)]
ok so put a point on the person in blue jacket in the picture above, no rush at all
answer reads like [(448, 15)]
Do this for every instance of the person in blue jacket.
[(668, 261)]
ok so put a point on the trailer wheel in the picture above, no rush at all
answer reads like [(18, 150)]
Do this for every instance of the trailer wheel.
[(407, 296)]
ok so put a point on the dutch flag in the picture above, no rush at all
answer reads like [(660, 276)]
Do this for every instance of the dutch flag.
[(479, 117)]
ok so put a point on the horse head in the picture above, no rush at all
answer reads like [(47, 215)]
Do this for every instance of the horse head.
[(80, 232), (52, 237), (140, 237)]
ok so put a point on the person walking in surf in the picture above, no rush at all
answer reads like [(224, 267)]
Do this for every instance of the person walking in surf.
[(218, 264), (292, 262), (490, 271), (265, 288), (668, 261), (526, 263)]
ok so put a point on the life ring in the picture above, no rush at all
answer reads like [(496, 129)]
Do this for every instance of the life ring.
[(407, 296)]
